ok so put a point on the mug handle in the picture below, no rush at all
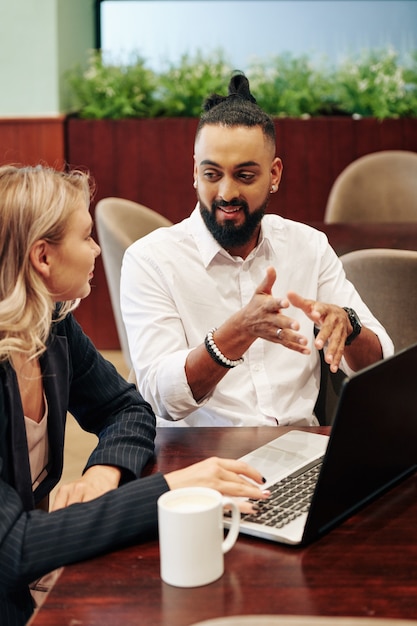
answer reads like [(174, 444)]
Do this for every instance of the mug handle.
[(233, 533)]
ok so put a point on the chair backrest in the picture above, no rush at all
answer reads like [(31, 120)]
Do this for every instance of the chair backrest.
[(386, 279), (119, 223), (378, 187)]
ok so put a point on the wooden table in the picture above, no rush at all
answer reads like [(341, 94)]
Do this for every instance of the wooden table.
[(366, 567)]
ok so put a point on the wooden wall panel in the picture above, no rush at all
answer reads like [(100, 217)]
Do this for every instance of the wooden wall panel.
[(318, 168), (91, 145), (32, 141), (409, 139), (342, 144), (141, 160), (151, 161), (291, 146)]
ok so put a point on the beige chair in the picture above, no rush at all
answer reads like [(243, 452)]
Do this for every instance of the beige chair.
[(386, 279), (119, 223), (378, 187)]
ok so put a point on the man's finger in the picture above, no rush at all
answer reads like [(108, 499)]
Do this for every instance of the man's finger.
[(298, 301), (267, 283)]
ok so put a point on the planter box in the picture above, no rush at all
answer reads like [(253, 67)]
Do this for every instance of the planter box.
[(151, 161)]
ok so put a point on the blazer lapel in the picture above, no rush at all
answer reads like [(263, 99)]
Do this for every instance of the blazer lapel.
[(56, 377), (56, 381)]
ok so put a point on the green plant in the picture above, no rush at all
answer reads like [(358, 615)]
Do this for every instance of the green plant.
[(410, 77), (291, 86), (183, 88), (110, 90), (373, 84), (377, 85)]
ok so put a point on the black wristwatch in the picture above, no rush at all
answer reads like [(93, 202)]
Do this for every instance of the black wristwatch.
[(355, 323)]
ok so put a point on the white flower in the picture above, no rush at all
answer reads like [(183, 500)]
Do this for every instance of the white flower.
[(91, 73)]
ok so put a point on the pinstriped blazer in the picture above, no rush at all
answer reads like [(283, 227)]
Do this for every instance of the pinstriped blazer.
[(77, 379)]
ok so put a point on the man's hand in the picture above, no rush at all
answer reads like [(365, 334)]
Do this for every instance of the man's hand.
[(334, 328), (95, 482), (263, 317)]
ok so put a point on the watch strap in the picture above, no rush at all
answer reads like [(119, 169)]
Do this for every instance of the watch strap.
[(355, 323)]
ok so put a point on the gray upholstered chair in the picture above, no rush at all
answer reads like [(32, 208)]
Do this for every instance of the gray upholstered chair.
[(378, 187), (119, 223), (386, 279)]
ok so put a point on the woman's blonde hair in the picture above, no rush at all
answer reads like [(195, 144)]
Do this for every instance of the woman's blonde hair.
[(35, 203)]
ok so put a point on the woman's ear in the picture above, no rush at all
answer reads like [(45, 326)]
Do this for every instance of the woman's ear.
[(39, 257)]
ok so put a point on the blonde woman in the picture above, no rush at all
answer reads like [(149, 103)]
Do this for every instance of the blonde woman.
[(48, 366)]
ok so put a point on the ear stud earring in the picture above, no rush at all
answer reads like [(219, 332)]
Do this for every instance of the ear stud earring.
[(273, 189)]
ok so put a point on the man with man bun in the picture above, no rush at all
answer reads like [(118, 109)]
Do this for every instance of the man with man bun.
[(226, 311)]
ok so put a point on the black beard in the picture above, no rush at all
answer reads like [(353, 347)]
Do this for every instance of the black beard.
[(227, 234)]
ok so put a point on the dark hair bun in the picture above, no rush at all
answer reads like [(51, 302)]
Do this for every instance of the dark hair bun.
[(239, 86)]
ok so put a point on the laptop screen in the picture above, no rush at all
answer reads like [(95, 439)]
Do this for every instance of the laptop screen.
[(373, 442)]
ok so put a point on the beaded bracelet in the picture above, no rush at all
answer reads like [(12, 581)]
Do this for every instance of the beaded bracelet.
[(216, 354)]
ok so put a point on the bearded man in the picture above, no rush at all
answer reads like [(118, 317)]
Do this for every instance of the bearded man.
[(226, 311)]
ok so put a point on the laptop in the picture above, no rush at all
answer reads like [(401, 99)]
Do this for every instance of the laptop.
[(371, 447)]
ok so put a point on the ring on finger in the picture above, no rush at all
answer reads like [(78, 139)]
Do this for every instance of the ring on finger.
[(279, 331)]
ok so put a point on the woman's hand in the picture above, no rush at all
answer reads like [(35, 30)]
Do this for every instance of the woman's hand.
[(96, 481), (231, 478)]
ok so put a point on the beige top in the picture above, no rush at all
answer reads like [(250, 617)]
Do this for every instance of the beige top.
[(38, 446), (37, 438)]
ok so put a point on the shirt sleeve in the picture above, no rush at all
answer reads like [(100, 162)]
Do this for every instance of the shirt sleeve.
[(155, 332), (35, 543), (334, 287), (103, 403)]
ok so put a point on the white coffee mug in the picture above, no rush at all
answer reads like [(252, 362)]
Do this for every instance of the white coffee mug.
[(191, 535)]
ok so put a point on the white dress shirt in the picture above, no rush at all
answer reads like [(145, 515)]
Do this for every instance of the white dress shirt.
[(177, 283)]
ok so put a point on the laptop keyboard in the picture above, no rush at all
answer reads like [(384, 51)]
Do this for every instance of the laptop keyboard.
[(290, 498)]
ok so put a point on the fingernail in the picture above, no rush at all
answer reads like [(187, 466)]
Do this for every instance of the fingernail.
[(263, 479)]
